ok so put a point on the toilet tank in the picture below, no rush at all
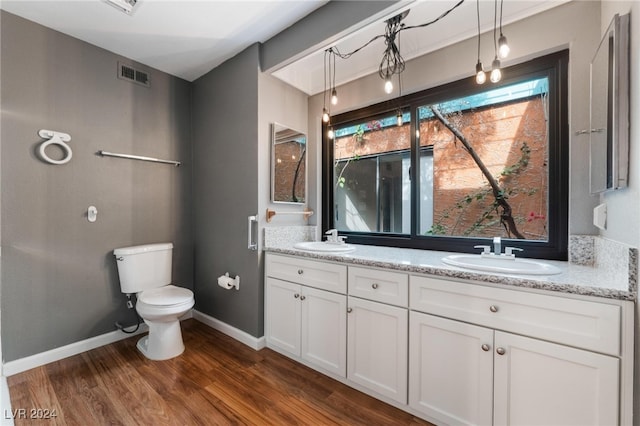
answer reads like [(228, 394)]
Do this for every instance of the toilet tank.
[(144, 267)]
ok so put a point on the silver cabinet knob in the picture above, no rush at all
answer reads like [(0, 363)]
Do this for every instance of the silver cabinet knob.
[(374, 286), (349, 310), (300, 272), (493, 308), (302, 297), (296, 295), (501, 351), (485, 347)]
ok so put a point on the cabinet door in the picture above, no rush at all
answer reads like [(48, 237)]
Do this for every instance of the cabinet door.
[(377, 347), (282, 315), (324, 329), (450, 370), (543, 383)]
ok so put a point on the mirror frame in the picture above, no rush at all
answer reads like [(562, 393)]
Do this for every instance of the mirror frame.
[(275, 127), (615, 48)]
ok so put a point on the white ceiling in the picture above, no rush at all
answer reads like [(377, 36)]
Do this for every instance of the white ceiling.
[(187, 38)]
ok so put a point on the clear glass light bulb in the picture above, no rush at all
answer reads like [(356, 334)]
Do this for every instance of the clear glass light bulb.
[(325, 115), (503, 49), (388, 86), (330, 134), (334, 97), (399, 118), (496, 74), (481, 77)]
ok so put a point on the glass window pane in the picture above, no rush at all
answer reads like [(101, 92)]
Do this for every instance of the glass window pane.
[(372, 189), (489, 166)]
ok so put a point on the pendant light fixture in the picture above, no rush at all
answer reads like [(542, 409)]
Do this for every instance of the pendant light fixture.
[(503, 46), (399, 119), (332, 78), (481, 77), (496, 74), (325, 113), (392, 61)]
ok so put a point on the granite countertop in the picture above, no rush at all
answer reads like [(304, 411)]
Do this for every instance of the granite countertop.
[(618, 283)]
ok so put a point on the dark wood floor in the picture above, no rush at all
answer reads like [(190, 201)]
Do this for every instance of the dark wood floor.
[(216, 381)]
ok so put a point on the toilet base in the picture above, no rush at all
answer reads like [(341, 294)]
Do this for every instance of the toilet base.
[(164, 341)]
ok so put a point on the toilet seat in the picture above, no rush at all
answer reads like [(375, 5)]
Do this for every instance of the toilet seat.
[(169, 295)]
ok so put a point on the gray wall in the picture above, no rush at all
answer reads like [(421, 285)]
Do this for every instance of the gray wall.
[(233, 108), (59, 279), (225, 148)]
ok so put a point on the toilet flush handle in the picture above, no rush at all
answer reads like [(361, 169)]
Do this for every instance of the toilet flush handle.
[(120, 259)]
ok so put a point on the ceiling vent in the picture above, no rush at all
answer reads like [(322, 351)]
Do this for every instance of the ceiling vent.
[(129, 73), (125, 6)]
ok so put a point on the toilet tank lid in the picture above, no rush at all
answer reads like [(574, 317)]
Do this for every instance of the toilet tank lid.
[(142, 249)]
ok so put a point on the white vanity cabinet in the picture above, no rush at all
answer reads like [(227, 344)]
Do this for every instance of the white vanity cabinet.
[(302, 318), (377, 343), (453, 351), (472, 359)]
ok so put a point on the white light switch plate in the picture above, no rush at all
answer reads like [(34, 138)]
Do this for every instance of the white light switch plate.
[(600, 216)]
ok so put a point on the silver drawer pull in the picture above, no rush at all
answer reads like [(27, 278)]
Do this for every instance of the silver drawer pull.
[(300, 272), (296, 295), (302, 297), (493, 308), (485, 347), (374, 286), (501, 351), (349, 310)]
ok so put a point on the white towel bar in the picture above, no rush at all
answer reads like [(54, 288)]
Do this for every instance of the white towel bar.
[(138, 157)]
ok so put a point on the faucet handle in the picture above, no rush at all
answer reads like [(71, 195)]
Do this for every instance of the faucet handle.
[(485, 249), (332, 235), (508, 251)]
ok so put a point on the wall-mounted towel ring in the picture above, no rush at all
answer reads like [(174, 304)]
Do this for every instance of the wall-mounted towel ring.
[(55, 138)]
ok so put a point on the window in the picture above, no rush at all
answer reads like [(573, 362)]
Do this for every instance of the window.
[(450, 167)]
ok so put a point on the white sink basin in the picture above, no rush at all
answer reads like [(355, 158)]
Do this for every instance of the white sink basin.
[(324, 246), (502, 265)]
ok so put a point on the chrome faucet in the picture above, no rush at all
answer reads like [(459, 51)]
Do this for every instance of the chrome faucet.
[(332, 235)]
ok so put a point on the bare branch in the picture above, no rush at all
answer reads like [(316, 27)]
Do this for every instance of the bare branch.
[(506, 216)]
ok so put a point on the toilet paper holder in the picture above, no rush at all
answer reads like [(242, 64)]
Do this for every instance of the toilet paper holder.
[(226, 282)]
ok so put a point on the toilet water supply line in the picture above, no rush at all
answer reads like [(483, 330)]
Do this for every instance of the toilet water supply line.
[(130, 305)]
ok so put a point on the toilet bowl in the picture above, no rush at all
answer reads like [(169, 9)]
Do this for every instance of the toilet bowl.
[(146, 271), (161, 309)]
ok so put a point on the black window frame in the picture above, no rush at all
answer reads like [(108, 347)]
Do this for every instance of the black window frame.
[(553, 66)]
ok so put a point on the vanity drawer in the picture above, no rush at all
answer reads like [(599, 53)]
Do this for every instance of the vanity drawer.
[(322, 275), (381, 286), (585, 324)]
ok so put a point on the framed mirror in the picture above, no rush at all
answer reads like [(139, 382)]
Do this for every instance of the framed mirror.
[(288, 165), (609, 109)]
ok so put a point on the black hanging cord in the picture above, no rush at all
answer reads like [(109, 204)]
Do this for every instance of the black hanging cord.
[(333, 83), (445, 13), (324, 96), (478, 14), (392, 61), (401, 28), (495, 23)]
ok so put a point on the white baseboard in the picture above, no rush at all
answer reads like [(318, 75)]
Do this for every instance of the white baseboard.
[(23, 364), (255, 343)]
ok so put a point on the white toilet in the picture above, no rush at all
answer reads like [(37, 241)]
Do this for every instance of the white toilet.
[(146, 271)]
